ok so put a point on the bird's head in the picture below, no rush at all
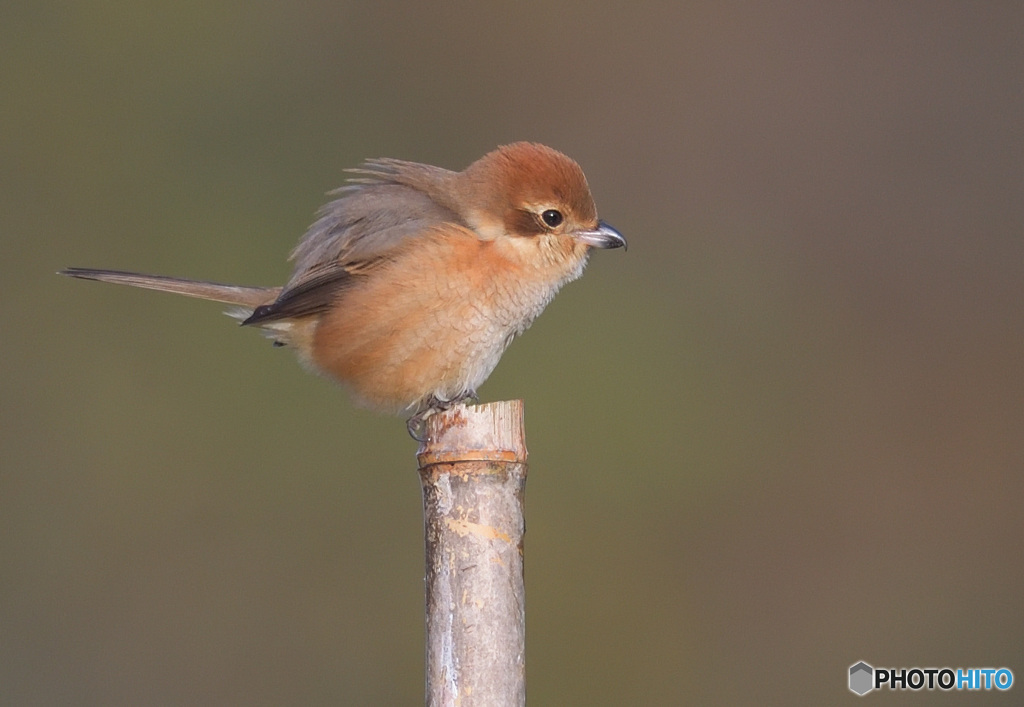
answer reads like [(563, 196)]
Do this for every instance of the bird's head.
[(536, 195)]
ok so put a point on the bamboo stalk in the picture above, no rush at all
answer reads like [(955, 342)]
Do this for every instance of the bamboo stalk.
[(473, 471)]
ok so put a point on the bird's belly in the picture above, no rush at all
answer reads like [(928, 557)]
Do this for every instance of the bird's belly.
[(441, 340)]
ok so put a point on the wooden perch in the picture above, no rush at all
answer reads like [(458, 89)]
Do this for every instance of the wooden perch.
[(473, 471)]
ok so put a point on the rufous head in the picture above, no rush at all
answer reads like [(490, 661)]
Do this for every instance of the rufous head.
[(528, 190)]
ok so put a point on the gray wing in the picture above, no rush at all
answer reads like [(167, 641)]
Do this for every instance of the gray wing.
[(372, 217)]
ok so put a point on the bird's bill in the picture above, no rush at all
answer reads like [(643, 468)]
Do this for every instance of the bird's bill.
[(604, 236)]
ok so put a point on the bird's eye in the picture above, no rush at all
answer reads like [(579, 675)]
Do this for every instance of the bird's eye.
[(552, 217)]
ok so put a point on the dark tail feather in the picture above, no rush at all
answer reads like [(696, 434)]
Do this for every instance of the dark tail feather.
[(250, 297)]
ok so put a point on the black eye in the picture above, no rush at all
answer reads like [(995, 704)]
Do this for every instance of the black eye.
[(552, 218)]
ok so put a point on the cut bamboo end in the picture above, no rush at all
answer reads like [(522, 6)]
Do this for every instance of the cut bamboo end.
[(490, 432)]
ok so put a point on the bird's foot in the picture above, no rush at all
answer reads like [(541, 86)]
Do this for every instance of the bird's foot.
[(417, 424)]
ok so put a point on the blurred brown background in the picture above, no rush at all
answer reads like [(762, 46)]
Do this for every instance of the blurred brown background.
[(783, 433)]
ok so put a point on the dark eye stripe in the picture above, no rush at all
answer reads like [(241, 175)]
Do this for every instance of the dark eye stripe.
[(521, 222)]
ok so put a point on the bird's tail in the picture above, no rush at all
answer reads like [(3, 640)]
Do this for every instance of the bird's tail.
[(246, 297)]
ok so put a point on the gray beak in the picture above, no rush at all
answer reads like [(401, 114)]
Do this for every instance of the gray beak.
[(604, 236)]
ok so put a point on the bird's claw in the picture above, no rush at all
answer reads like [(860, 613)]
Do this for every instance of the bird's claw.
[(417, 424)]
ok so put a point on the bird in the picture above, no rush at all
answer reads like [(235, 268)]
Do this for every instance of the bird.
[(411, 283)]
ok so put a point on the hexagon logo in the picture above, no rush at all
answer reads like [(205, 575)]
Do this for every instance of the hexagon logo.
[(861, 675)]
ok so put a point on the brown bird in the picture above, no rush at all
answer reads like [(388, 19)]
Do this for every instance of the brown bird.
[(411, 284)]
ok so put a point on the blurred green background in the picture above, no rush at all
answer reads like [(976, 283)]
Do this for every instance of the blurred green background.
[(783, 433)]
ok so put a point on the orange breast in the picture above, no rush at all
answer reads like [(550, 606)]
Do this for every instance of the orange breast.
[(434, 321)]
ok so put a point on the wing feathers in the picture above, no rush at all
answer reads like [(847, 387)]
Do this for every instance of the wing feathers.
[(376, 214)]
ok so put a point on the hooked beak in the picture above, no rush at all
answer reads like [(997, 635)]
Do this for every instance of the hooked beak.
[(604, 236)]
